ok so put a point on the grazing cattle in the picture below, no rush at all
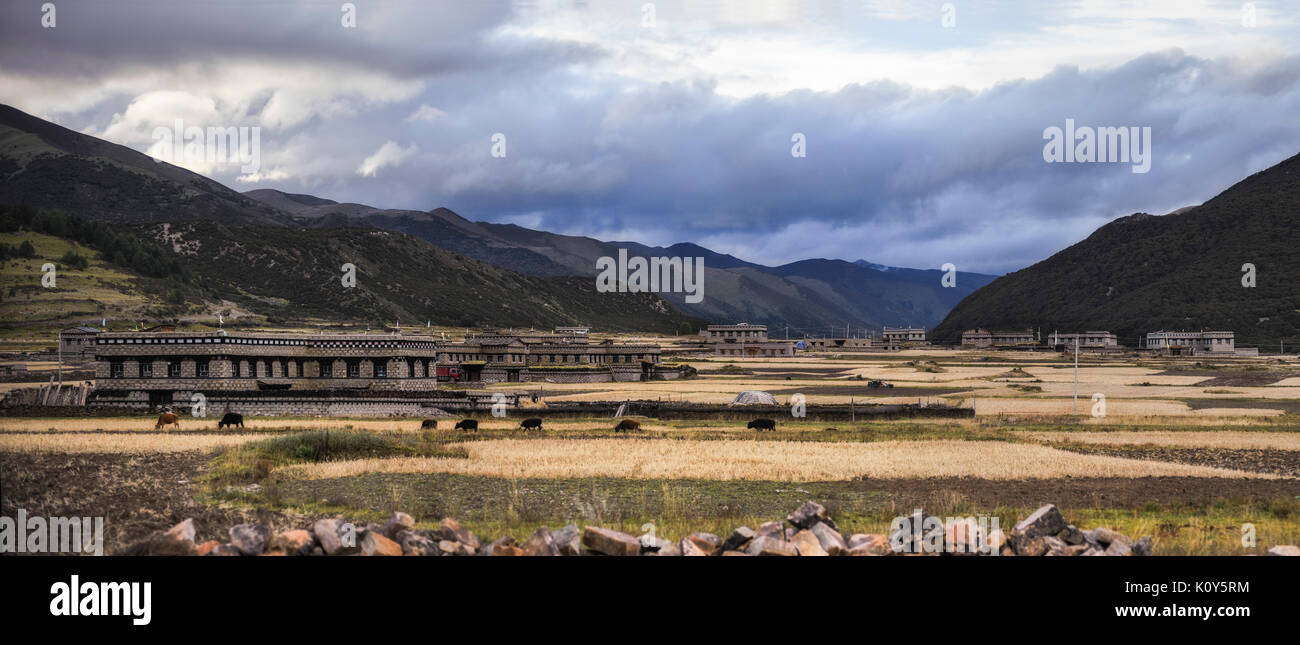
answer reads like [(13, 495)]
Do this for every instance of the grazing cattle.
[(531, 423), (230, 420), (168, 419), (762, 424), (468, 424), (627, 424), (429, 424)]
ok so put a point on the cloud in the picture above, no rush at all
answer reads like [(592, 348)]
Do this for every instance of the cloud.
[(924, 143), (388, 155)]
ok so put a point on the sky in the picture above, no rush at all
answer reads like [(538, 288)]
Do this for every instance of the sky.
[(922, 123)]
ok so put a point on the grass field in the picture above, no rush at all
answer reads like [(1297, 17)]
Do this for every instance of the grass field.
[(1187, 452)]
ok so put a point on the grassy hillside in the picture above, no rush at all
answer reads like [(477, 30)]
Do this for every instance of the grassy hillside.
[(1181, 271)]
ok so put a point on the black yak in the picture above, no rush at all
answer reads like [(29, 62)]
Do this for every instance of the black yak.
[(429, 424), (468, 424), (531, 423), (230, 420), (762, 424)]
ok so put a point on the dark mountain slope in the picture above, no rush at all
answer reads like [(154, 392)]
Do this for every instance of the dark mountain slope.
[(1142, 272)]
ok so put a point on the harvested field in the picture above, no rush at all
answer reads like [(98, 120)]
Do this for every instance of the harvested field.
[(1218, 439), (1259, 460), (78, 442), (760, 460)]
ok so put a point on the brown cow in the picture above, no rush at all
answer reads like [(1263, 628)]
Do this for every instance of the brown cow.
[(168, 419)]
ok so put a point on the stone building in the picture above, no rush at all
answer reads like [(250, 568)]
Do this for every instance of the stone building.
[(986, 338), (744, 340), (1086, 339), (78, 341), (565, 356), (899, 337), (241, 371), (1192, 342), (836, 344)]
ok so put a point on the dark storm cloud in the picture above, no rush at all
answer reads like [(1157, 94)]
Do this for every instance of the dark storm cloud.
[(894, 173)]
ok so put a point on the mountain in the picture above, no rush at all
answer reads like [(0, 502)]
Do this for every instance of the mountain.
[(188, 245), (810, 296), (45, 165), (1181, 271)]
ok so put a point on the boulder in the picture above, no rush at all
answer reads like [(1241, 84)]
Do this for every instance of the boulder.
[(1044, 521), (667, 549), (771, 529), (807, 543), (206, 548), (1054, 545), (541, 543), (250, 539), (1285, 550), (1142, 547), (708, 543), (1106, 537), (863, 544), (178, 540), (831, 541), (963, 536), (450, 529), (1028, 546), (1119, 547), (739, 539), (1072, 535), (1075, 549), (688, 547), (226, 549), (809, 514), (376, 544), (734, 553), (566, 540), (995, 541), (182, 532), (295, 542), (500, 546), (452, 547), (398, 522), (604, 541), (329, 533), (769, 546), (417, 543)]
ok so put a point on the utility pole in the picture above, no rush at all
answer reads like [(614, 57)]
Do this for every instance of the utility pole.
[(60, 359), (1076, 373)]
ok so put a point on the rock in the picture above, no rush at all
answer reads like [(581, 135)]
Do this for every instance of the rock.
[(1044, 521), (807, 543), (734, 553), (1075, 549), (1142, 547), (863, 544), (250, 539), (1072, 535), (809, 514), (330, 533), (541, 543), (376, 544), (1028, 546), (183, 532), (770, 546), (1285, 550), (566, 540), (450, 529), (708, 543), (398, 522), (1119, 547), (653, 545), (688, 547), (417, 543), (918, 533), (831, 541), (452, 547), (668, 549), (771, 529), (226, 549), (295, 542), (1106, 537), (1054, 545), (206, 547), (501, 546), (739, 538), (609, 542)]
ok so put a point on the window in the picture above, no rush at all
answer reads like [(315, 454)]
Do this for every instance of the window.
[(116, 370), (326, 369), (381, 370), (174, 369), (234, 368), (354, 370), (201, 369), (146, 369)]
